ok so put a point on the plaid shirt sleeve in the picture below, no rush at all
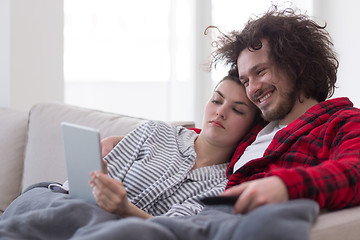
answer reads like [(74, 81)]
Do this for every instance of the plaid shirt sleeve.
[(317, 156)]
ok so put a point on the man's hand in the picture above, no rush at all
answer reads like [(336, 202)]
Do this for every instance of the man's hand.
[(258, 192), (108, 143)]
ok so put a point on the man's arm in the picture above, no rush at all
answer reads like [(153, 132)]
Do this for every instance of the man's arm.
[(335, 182)]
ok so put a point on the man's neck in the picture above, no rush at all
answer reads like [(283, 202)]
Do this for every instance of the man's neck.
[(299, 109)]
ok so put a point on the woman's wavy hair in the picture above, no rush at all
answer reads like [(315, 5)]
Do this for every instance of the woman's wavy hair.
[(298, 45)]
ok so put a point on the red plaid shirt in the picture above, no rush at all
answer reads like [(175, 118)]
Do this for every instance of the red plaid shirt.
[(317, 156)]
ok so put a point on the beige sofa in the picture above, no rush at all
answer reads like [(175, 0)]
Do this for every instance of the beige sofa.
[(31, 151)]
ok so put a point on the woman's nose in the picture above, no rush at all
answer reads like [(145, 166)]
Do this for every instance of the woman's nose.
[(221, 113)]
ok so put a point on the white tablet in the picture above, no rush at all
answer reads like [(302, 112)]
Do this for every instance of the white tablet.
[(83, 155)]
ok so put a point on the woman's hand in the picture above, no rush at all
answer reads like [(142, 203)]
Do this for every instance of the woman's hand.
[(111, 196), (108, 143), (109, 193)]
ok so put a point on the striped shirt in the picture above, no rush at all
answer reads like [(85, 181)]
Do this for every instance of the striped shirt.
[(155, 162)]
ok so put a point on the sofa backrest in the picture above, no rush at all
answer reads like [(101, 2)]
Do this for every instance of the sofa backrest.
[(44, 156), (13, 134)]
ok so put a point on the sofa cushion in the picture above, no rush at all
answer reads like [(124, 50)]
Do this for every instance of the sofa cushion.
[(44, 157), (13, 129), (341, 224)]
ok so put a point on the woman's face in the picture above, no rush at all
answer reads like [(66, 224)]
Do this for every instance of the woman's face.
[(228, 115)]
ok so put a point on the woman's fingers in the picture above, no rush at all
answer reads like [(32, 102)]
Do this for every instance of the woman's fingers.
[(109, 193)]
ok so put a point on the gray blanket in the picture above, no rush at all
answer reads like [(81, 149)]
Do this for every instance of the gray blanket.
[(42, 214)]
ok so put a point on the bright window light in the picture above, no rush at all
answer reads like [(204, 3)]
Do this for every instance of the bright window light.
[(140, 57)]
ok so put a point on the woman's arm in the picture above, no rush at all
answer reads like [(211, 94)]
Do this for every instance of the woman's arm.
[(108, 143), (111, 196)]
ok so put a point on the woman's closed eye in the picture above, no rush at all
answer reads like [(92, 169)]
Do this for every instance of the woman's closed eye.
[(238, 111), (216, 101)]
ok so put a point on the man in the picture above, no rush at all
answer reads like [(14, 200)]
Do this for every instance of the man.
[(310, 148)]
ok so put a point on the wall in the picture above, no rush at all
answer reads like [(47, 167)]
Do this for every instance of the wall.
[(31, 46), (5, 81), (341, 17), (31, 43)]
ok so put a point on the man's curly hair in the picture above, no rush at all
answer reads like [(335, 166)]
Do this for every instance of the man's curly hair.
[(298, 45)]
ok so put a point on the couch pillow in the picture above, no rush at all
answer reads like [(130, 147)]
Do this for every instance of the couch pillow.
[(13, 132)]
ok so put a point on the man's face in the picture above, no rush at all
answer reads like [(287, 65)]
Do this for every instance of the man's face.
[(267, 85)]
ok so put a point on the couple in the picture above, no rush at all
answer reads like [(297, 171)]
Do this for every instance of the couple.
[(308, 150), (310, 147)]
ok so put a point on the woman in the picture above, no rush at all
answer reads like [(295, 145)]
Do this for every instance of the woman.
[(159, 169), (155, 170)]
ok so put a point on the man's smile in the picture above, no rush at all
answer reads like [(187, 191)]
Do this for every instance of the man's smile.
[(262, 99)]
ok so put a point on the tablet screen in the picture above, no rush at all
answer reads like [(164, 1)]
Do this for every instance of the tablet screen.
[(83, 155)]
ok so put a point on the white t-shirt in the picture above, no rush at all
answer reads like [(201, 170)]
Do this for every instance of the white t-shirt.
[(258, 147)]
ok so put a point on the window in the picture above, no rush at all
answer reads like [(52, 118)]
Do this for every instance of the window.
[(127, 56), (142, 57)]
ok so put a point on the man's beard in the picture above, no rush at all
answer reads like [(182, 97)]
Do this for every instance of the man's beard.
[(283, 108)]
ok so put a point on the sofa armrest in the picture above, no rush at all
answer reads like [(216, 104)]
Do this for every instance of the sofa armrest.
[(13, 132)]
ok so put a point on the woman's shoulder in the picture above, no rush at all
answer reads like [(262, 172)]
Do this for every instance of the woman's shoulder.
[(159, 124), (159, 127), (166, 125), (162, 127)]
